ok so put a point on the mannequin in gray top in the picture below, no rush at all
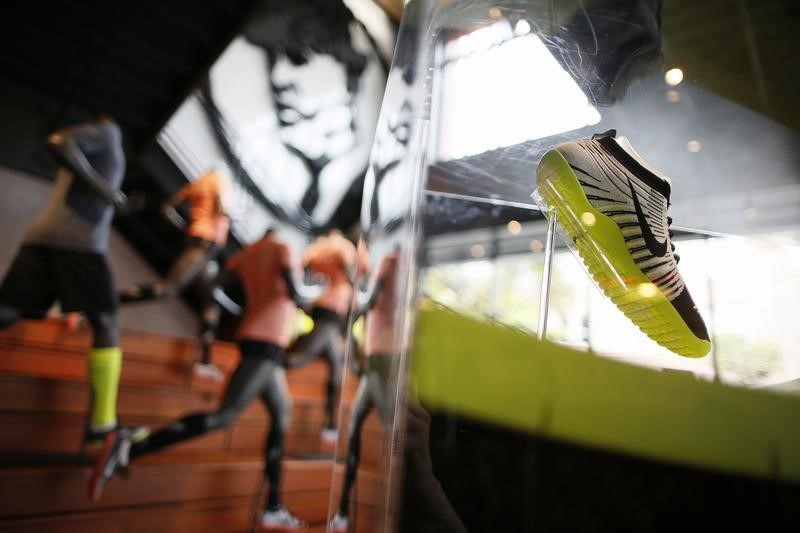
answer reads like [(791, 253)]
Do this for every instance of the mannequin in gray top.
[(62, 257), (78, 215)]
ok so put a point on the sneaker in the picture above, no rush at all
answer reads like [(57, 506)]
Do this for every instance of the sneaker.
[(613, 207), (329, 435), (338, 524), (209, 371), (280, 519), (96, 438), (113, 457)]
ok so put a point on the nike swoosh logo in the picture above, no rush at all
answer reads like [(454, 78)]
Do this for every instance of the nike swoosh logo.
[(658, 249)]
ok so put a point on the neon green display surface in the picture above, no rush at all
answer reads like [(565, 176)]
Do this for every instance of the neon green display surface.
[(504, 377)]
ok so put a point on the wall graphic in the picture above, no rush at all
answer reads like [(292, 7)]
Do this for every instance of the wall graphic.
[(289, 113)]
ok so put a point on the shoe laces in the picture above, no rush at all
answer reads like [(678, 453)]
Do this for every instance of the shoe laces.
[(671, 245)]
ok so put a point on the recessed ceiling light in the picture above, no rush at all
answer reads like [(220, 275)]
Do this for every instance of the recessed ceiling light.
[(673, 76)]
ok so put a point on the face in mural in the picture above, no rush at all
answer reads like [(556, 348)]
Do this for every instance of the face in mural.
[(292, 108), (314, 107), (388, 185)]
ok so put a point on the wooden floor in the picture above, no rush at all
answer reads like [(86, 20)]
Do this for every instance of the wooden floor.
[(208, 484)]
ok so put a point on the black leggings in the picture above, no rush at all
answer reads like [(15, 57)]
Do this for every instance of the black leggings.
[(260, 372), (325, 340), (195, 265), (371, 394), (105, 328), (210, 309)]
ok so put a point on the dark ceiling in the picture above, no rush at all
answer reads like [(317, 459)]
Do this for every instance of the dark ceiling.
[(67, 61), (744, 50)]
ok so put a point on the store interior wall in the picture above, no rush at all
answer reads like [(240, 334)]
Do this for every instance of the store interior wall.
[(24, 197)]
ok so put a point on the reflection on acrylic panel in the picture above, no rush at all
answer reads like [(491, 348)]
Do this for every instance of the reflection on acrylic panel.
[(503, 67), (382, 304)]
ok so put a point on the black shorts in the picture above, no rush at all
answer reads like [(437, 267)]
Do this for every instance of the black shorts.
[(40, 276), (261, 349), (380, 364), (320, 314)]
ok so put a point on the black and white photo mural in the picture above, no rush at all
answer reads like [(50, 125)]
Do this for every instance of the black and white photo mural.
[(288, 113)]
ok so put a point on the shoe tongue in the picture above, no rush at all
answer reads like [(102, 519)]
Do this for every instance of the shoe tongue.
[(608, 133), (626, 145), (623, 151)]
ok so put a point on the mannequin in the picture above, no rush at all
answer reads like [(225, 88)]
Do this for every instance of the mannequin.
[(63, 258), (268, 274), (206, 234), (334, 257), (379, 303)]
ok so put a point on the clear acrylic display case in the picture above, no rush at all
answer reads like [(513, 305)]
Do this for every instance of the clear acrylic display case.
[(508, 392)]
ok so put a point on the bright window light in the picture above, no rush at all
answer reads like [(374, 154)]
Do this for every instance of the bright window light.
[(498, 90)]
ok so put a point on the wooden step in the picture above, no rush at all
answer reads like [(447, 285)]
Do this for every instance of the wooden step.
[(367, 500), (54, 362), (220, 515), (160, 479), (26, 394), (52, 334), (305, 439), (47, 416)]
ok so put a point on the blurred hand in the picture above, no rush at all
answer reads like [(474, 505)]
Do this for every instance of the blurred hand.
[(55, 139)]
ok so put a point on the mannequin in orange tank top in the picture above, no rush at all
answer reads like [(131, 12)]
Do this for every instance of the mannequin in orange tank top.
[(379, 304), (333, 257), (206, 235), (269, 275)]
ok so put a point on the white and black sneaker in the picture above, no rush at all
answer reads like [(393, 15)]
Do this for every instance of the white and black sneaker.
[(339, 524), (280, 519), (613, 206)]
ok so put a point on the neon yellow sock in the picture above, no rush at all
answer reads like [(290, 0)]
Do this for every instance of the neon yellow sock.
[(104, 369)]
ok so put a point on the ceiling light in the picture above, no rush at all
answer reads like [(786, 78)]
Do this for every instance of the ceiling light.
[(673, 76)]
